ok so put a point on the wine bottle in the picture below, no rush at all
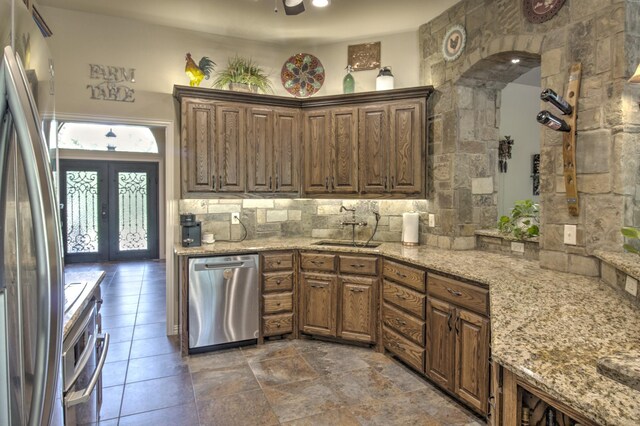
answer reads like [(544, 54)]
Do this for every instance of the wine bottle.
[(553, 122), (556, 100)]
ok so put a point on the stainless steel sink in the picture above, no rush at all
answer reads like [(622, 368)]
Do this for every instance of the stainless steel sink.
[(339, 243)]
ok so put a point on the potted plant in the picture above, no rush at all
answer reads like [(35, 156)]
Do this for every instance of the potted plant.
[(243, 75), (523, 222), (633, 238)]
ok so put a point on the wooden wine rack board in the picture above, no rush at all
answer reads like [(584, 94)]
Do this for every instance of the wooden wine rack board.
[(569, 141)]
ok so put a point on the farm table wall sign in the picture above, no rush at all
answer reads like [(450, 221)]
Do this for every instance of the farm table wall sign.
[(537, 11), (112, 87)]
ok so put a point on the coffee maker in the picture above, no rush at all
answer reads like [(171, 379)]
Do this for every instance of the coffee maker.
[(191, 230)]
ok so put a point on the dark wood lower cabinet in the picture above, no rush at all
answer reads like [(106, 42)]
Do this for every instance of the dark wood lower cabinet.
[(458, 352), (358, 309), (440, 343), (318, 303)]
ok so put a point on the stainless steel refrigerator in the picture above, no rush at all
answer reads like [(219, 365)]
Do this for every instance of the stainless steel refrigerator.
[(31, 279)]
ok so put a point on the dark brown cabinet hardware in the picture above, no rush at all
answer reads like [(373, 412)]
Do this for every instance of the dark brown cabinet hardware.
[(357, 265), (213, 178), (326, 183), (392, 182), (458, 324), (317, 262), (401, 322), (454, 292), (278, 303), (449, 320), (277, 182), (402, 296), (316, 286), (278, 262), (356, 290), (277, 325), (385, 182), (278, 282), (270, 182), (220, 180), (400, 274)]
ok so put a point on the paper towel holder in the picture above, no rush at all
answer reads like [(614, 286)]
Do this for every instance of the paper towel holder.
[(405, 237)]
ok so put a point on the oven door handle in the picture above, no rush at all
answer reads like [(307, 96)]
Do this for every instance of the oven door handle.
[(81, 396)]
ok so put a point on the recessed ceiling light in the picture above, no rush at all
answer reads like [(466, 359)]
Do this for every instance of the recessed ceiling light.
[(320, 3), (515, 61)]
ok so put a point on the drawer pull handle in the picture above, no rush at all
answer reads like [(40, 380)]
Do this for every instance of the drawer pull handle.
[(400, 274), (402, 296), (357, 265), (357, 290), (449, 320), (454, 292), (316, 286), (401, 322), (317, 262)]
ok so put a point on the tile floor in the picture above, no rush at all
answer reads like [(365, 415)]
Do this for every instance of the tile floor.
[(301, 382)]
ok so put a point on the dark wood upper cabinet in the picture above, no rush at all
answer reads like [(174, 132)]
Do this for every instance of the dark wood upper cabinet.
[(273, 142), (317, 154), (374, 149), (198, 158), (359, 145), (230, 147), (260, 150), (287, 146), (344, 149), (406, 147)]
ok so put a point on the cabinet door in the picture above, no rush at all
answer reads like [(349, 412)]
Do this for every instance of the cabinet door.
[(287, 150), (472, 359), (317, 153), (198, 161), (357, 309), (344, 141), (230, 147), (373, 137), (440, 342), (260, 150), (406, 157), (319, 299)]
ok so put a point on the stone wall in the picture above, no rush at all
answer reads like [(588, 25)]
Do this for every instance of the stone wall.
[(302, 217), (603, 35)]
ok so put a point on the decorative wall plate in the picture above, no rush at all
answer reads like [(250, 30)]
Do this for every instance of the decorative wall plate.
[(302, 75), (538, 11), (454, 42)]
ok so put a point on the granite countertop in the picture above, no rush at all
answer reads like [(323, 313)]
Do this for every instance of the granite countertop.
[(629, 263), (497, 234), (92, 280), (548, 327)]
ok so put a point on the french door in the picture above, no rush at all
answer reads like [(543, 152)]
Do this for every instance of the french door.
[(109, 210)]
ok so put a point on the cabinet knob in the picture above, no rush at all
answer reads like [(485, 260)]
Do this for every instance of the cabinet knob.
[(278, 303), (401, 322), (277, 325), (278, 262), (278, 282)]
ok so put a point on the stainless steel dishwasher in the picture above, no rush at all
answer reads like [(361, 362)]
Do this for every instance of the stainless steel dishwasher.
[(223, 302)]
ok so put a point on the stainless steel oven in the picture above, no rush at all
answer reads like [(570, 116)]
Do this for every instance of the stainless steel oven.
[(84, 353)]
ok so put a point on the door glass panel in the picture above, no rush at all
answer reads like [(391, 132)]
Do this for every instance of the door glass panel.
[(82, 211), (132, 218)]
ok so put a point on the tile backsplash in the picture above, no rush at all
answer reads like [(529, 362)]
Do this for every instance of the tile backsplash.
[(303, 217)]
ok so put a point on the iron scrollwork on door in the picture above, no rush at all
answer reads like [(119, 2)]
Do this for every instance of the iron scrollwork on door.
[(82, 212), (132, 202)]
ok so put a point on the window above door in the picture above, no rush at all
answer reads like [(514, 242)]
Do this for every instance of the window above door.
[(104, 137)]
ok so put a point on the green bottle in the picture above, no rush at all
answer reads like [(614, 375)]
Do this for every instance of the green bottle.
[(348, 82)]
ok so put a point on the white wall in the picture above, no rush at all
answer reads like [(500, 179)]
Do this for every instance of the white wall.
[(518, 109)]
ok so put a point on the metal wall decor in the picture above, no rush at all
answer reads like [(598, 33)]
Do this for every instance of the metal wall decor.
[(504, 153), (538, 11), (111, 87), (535, 173), (454, 42), (302, 75), (365, 56)]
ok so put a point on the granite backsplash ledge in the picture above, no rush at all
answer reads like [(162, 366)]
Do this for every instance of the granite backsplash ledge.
[(266, 218)]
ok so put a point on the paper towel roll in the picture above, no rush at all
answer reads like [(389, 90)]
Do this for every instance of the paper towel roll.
[(410, 228)]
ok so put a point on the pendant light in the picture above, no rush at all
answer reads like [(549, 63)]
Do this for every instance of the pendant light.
[(110, 135), (320, 3)]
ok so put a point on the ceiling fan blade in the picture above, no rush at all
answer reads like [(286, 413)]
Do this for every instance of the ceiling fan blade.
[(293, 7)]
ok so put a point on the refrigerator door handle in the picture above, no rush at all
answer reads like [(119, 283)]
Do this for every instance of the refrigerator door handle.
[(46, 231), (81, 396)]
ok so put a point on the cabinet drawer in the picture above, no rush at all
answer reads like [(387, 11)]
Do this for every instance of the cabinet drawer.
[(361, 265), (273, 325), (405, 298), (279, 302), (277, 281), (277, 261), (318, 262), (462, 294), (404, 349), (406, 275), (404, 324)]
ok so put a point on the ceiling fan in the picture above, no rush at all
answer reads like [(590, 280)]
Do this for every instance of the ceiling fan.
[(296, 7)]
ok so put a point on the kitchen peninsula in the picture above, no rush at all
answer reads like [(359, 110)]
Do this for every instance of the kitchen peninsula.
[(549, 336)]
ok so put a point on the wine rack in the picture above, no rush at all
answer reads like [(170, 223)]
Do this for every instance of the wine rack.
[(569, 142)]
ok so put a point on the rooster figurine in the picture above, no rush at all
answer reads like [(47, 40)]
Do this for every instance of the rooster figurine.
[(197, 73)]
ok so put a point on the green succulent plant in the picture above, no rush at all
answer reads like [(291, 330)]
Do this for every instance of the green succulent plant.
[(633, 239), (243, 71), (523, 222)]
